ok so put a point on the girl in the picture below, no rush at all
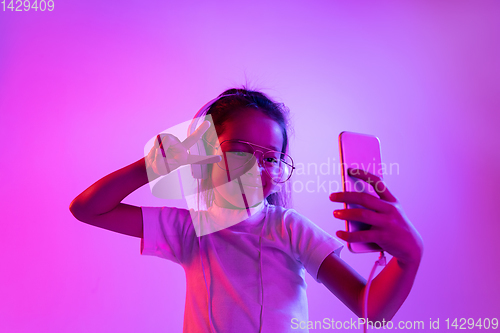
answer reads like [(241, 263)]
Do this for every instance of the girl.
[(245, 254)]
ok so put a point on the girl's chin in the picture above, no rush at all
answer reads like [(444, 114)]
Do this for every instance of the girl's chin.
[(229, 195)]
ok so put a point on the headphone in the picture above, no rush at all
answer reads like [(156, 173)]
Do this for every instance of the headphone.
[(199, 171)]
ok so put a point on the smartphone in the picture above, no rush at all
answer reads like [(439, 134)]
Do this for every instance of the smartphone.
[(359, 151)]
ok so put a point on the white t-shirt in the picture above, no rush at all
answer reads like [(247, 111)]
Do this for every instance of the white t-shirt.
[(246, 290)]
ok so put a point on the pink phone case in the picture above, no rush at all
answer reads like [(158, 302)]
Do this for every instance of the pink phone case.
[(359, 151)]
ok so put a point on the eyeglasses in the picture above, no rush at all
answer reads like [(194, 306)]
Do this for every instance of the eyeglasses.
[(239, 155)]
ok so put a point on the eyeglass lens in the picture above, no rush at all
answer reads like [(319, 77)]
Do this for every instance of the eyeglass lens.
[(239, 157)]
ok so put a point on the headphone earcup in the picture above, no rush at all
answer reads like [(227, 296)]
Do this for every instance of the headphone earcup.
[(200, 171)]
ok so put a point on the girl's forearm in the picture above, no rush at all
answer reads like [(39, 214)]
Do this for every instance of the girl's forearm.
[(390, 288), (105, 194)]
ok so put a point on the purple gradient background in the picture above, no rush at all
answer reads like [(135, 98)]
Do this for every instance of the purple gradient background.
[(84, 87)]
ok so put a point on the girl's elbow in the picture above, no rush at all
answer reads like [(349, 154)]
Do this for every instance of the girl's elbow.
[(77, 210), (73, 207)]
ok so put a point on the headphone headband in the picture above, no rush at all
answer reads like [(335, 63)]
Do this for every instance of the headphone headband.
[(200, 171)]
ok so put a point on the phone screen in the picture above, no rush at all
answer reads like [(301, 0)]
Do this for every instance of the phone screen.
[(359, 151)]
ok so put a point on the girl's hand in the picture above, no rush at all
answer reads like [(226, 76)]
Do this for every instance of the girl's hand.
[(169, 153), (391, 229)]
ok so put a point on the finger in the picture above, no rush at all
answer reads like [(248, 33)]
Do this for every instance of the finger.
[(360, 215), (167, 140), (365, 236), (161, 165), (160, 143), (375, 181), (364, 199), (197, 134), (200, 159)]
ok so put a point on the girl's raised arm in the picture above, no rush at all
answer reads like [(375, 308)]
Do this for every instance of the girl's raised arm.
[(394, 233), (100, 205)]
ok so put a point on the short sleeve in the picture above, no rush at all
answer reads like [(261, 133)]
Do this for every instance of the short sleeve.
[(310, 244), (167, 232)]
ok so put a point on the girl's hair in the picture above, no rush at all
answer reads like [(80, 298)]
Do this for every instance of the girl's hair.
[(229, 105)]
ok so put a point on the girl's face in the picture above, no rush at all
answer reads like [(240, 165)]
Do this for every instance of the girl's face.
[(253, 126)]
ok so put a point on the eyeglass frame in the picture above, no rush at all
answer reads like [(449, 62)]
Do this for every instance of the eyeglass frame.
[(259, 160)]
